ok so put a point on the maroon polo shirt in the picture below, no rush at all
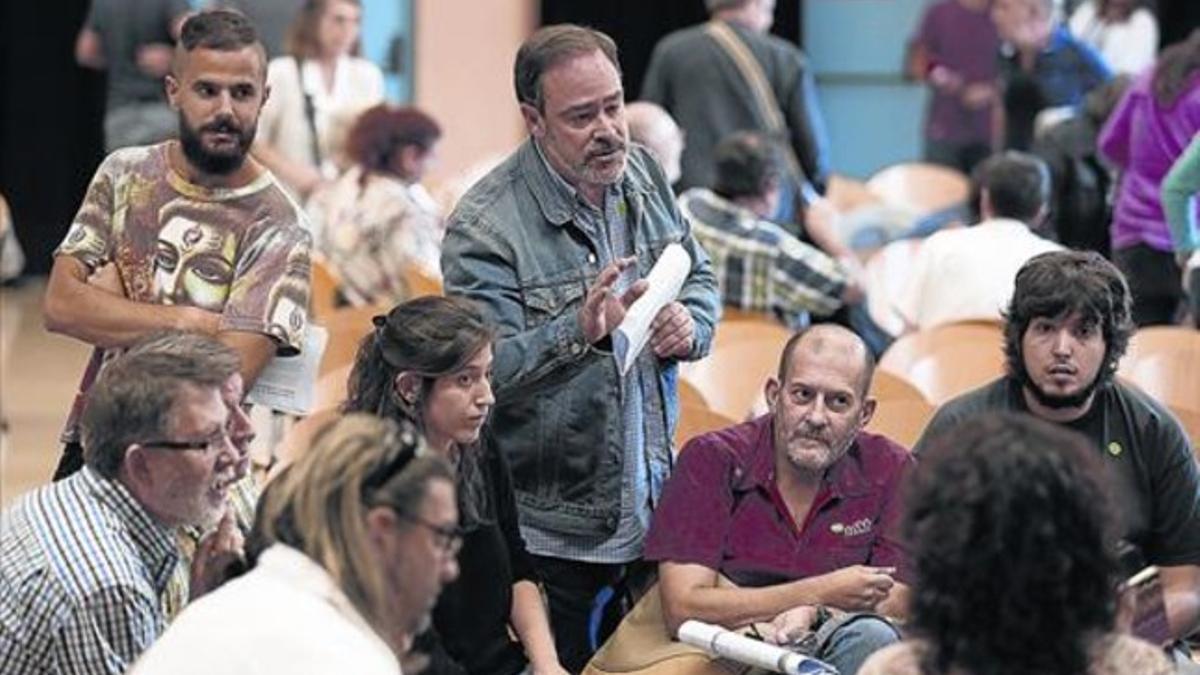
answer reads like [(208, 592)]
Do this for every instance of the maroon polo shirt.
[(722, 509)]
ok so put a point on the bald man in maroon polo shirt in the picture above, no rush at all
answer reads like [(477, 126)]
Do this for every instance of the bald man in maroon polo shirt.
[(798, 508)]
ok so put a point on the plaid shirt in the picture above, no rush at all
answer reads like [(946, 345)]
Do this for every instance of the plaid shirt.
[(759, 265), (82, 570)]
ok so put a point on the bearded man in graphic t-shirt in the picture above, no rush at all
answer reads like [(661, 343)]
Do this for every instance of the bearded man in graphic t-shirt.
[(189, 234)]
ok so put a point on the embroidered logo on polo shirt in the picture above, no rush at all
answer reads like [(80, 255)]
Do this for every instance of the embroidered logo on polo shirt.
[(861, 526)]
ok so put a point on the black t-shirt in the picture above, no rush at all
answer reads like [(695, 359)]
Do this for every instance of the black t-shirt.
[(470, 621), (1155, 480)]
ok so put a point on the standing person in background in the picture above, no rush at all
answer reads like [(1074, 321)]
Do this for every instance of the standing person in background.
[(377, 219), (954, 52), (1123, 31), (695, 76), (1042, 66), (133, 41), (1149, 130), (321, 78)]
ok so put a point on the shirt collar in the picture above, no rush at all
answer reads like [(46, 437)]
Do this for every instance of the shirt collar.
[(846, 478), (557, 198), (154, 541), (296, 570)]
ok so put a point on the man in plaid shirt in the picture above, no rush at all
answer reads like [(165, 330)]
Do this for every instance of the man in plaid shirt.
[(760, 266), (85, 561)]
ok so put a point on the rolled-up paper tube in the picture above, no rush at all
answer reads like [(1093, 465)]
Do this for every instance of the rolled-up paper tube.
[(730, 645)]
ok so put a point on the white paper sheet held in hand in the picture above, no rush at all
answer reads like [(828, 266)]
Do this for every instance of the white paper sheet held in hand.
[(736, 647), (288, 383), (665, 280)]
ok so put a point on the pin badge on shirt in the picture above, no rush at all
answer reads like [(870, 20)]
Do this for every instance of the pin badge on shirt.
[(1114, 449)]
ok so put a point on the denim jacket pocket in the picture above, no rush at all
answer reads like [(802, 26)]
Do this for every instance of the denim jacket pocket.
[(545, 302)]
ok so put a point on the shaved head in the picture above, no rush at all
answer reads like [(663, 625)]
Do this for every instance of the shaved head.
[(831, 341)]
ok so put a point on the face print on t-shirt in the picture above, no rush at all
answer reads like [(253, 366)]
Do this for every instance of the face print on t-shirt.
[(194, 263)]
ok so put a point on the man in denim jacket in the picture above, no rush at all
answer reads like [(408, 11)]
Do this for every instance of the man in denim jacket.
[(553, 244)]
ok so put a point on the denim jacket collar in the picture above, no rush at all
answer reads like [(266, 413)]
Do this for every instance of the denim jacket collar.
[(556, 197)]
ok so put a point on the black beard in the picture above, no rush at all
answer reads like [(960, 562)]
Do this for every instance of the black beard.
[(1057, 402), (218, 164)]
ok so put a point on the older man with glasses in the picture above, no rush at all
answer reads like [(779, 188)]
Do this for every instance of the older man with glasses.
[(84, 562)]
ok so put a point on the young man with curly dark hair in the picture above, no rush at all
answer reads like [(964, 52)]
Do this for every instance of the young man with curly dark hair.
[(1015, 568), (1066, 328)]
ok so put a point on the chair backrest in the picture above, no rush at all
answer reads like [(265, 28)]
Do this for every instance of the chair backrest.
[(908, 349), (888, 387), (689, 395), (1164, 361), (847, 194), (419, 283), (696, 420), (346, 326), (1190, 419), (920, 188), (323, 289), (744, 355), (331, 387), (902, 420)]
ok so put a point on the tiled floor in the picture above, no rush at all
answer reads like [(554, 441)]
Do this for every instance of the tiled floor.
[(38, 374)]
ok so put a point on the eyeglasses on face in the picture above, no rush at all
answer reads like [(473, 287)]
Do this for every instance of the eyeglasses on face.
[(449, 538)]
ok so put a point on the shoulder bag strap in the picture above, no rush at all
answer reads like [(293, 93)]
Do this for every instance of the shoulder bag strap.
[(310, 114)]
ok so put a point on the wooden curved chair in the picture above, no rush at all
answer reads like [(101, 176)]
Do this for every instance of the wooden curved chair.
[(1190, 419), (920, 188), (346, 326), (323, 289), (888, 387), (418, 283), (690, 396), (744, 355), (847, 194), (902, 420), (694, 420), (907, 349), (1164, 361)]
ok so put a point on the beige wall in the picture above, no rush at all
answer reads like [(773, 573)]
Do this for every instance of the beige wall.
[(463, 57)]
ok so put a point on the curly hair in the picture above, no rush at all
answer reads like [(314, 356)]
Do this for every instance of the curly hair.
[(381, 131), (434, 337), (1008, 523), (1058, 283)]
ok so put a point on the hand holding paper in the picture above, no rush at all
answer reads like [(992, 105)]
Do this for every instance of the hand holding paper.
[(662, 286), (602, 310)]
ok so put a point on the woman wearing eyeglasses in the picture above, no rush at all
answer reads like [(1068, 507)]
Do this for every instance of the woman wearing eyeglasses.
[(359, 536), (429, 362)]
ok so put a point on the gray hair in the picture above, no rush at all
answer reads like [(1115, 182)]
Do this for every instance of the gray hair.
[(133, 399), (550, 46)]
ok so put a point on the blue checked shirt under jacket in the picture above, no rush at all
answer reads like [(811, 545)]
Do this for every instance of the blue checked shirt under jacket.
[(82, 570)]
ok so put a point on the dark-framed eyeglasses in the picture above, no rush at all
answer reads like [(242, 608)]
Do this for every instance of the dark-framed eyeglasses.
[(449, 537)]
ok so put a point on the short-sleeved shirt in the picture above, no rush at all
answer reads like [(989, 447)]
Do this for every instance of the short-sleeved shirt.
[(240, 252), (1154, 475), (722, 509)]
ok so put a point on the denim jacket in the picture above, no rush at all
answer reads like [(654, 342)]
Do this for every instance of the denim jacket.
[(512, 247)]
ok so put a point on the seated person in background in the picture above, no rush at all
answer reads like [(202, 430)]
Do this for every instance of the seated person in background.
[(1179, 190), (965, 274), (1065, 331), (86, 560), (760, 266), (1041, 66), (429, 363), (654, 128), (993, 594), (797, 508), (360, 535), (377, 219)]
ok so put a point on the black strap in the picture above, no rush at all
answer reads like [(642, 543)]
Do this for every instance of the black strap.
[(310, 114)]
